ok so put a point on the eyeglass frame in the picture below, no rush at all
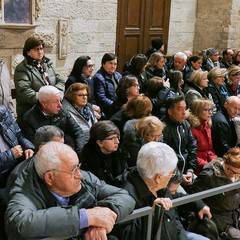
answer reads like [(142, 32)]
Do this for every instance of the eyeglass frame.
[(82, 94), (233, 107), (71, 173)]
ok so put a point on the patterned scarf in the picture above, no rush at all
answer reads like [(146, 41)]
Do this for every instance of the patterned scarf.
[(85, 112)]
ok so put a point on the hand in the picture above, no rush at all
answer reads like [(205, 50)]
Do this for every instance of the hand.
[(96, 108), (17, 151), (97, 115), (187, 179), (165, 202), (205, 211), (95, 233), (101, 217), (166, 83), (28, 153)]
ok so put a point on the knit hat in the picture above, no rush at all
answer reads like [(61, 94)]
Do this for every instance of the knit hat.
[(211, 51), (157, 43)]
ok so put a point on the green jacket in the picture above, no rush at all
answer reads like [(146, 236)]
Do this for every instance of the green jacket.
[(28, 81), (33, 212)]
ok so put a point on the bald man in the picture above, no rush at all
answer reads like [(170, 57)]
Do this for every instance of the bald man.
[(224, 134)]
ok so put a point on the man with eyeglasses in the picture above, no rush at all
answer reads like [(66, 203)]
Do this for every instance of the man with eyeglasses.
[(53, 199), (224, 134), (48, 111), (224, 207)]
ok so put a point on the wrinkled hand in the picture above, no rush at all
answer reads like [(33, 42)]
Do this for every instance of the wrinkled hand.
[(28, 153), (205, 211), (96, 108), (187, 179), (95, 233), (165, 202), (101, 217), (17, 151)]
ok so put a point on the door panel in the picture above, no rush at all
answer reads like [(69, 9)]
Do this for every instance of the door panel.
[(140, 21)]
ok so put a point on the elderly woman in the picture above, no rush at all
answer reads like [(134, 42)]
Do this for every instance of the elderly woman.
[(127, 89), (102, 155), (32, 73), (156, 66), (225, 206), (139, 132), (233, 80), (217, 87), (200, 121), (76, 103), (196, 88)]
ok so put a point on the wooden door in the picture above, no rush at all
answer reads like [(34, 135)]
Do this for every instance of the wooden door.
[(140, 21)]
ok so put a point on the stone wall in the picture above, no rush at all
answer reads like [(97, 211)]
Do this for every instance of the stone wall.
[(91, 30)]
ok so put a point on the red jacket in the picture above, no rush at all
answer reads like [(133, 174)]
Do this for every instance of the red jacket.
[(205, 151)]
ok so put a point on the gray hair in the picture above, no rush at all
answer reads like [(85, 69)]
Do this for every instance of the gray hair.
[(180, 55), (50, 156), (46, 134), (46, 91), (154, 158)]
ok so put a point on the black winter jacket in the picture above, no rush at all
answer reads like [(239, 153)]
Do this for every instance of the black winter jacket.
[(180, 138)]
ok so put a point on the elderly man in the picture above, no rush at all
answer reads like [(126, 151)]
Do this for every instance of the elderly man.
[(49, 111), (224, 134), (156, 164), (53, 199)]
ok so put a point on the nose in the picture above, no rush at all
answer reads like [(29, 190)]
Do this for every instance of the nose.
[(78, 174)]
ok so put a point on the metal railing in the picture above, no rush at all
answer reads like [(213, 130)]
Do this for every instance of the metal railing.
[(147, 211)]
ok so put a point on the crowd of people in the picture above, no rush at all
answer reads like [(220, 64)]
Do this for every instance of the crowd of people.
[(84, 152)]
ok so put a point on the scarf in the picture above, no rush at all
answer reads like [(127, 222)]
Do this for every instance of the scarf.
[(84, 112)]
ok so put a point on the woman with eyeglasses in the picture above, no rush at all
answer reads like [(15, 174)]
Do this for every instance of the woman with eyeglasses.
[(102, 154), (138, 132), (128, 88), (224, 206), (35, 71), (76, 103), (200, 114)]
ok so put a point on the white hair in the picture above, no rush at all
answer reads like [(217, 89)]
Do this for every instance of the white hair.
[(154, 158), (46, 91), (181, 55), (50, 156)]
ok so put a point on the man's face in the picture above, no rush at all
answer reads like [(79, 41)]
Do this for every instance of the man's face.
[(179, 63), (232, 108), (214, 57), (178, 113), (52, 105), (66, 178)]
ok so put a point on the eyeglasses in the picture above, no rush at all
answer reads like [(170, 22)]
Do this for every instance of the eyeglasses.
[(71, 173), (210, 110), (235, 108), (37, 49), (136, 85), (113, 138), (90, 66), (233, 172), (154, 136), (82, 94)]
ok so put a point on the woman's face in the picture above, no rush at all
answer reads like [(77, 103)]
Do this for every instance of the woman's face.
[(203, 83), (109, 144), (206, 113), (219, 81), (88, 69), (110, 66), (36, 53), (197, 65), (160, 63), (133, 91), (153, 136), (81, 98), (180, 84)]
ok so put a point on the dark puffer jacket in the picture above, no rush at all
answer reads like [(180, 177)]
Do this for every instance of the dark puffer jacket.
[(34, 119), (33, 212), (13, 136)]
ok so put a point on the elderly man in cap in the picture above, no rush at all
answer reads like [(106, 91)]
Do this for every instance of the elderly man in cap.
[(53, 199), (212, 59)]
